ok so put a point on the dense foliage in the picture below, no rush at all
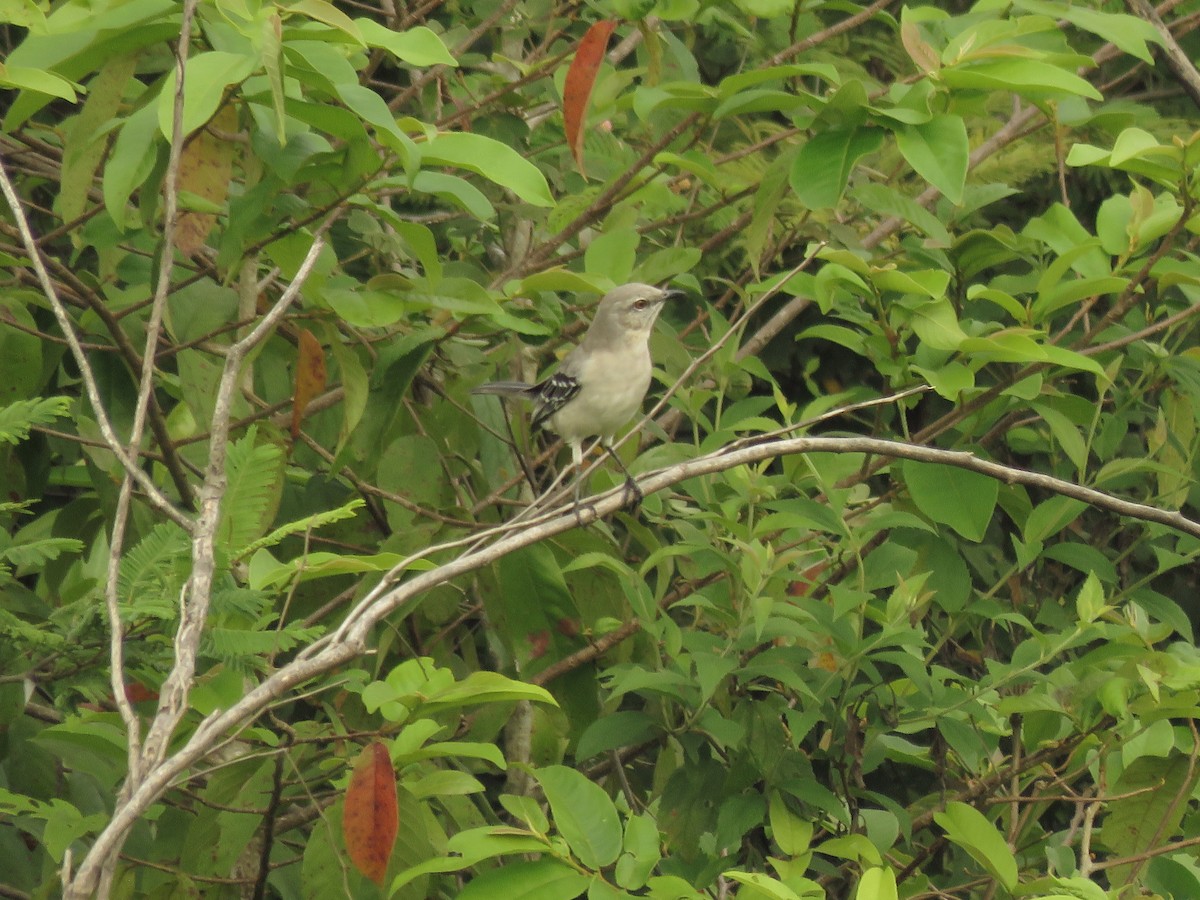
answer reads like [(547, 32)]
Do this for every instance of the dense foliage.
[(247, 443)]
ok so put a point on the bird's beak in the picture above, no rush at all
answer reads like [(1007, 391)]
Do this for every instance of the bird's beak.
[(673, 294)]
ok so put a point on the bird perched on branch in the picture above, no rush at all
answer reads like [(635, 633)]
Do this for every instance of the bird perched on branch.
[(601, 383)]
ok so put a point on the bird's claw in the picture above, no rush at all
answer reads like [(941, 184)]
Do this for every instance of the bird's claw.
[(632, 496), (580, 506)]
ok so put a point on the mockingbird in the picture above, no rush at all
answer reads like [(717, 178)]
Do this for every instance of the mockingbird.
[(601, 383)]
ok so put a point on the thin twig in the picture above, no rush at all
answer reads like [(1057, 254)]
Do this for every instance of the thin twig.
[(173, 695), (91, 388)]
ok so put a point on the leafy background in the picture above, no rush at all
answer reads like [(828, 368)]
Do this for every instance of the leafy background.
[(818, 674)]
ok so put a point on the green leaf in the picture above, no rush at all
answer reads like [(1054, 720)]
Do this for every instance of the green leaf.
[(417, 46), (1089, 604), (370, 106), (936, 324), (950, 380), (1032, 78), (130, 162), (443, 783), (764, 885), (527, 810), (457, 190), (583, 814), (930, 283), (24, 14), (206, 78), (153, 571), (938, 150), (622, 728), (1063, 889), (612, 254), (496, 161), (1129, 33), (1066, 434), (484, 687), (791, 833), (1049, 518), (366, 308), (273, 64), (823, 166), (743, 80), (969, 828), (851, 846), (303, 526), (962, 499), (877, 884), (40, 80), (326, 14), (887, 200), (641, 852), (543, 879), (1147, 806)]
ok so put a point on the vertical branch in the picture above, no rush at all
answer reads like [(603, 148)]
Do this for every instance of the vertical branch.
[(156, 768), (113, 443), (145, 389), (173, 696)]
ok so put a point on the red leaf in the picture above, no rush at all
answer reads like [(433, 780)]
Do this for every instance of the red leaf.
[(578, 88), (807, 580), (310, 377), (539, 643), (136, 692), (369, 819)]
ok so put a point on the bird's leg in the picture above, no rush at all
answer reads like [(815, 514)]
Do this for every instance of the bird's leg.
[(577, 463), (631, 487)]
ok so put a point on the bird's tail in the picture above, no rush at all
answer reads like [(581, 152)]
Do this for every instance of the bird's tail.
[(504, 388)]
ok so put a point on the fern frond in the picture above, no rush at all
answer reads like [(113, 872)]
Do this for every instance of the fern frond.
[(308, 523), (255, 480), (241, 602), (19, 418), (36, 554), (28, 635), (247, 648), (153, 573)]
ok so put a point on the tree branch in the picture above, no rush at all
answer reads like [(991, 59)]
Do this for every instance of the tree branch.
[(156, 497)]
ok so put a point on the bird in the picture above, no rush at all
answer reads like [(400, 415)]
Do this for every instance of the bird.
[(601, 382)]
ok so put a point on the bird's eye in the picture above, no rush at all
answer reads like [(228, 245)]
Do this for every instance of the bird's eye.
[(640, 304)]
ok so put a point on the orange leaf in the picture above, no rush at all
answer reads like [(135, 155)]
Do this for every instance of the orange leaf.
[(578, 88), (806, 580), (369, 817), (136, 692), (310, 377), (205, 169)]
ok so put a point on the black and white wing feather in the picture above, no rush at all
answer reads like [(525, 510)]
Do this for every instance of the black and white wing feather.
[(552, 395)]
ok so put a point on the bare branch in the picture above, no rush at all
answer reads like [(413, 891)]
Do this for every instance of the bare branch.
[(157, 770), (392, 593), (145, 388), (1173, 56), (156, 497)]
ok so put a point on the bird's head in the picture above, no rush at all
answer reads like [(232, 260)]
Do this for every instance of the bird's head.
[(632, 308)]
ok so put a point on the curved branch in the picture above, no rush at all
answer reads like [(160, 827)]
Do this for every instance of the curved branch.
[(392, 593), (91, 388), (1173, 56)]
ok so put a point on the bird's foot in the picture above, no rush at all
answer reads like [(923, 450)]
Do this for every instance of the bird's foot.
[(580, 508), (632, 496)]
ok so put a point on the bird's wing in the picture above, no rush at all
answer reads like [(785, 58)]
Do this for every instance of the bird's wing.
[(552, 394)]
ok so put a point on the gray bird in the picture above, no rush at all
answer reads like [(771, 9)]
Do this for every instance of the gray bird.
[(601, 383)]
